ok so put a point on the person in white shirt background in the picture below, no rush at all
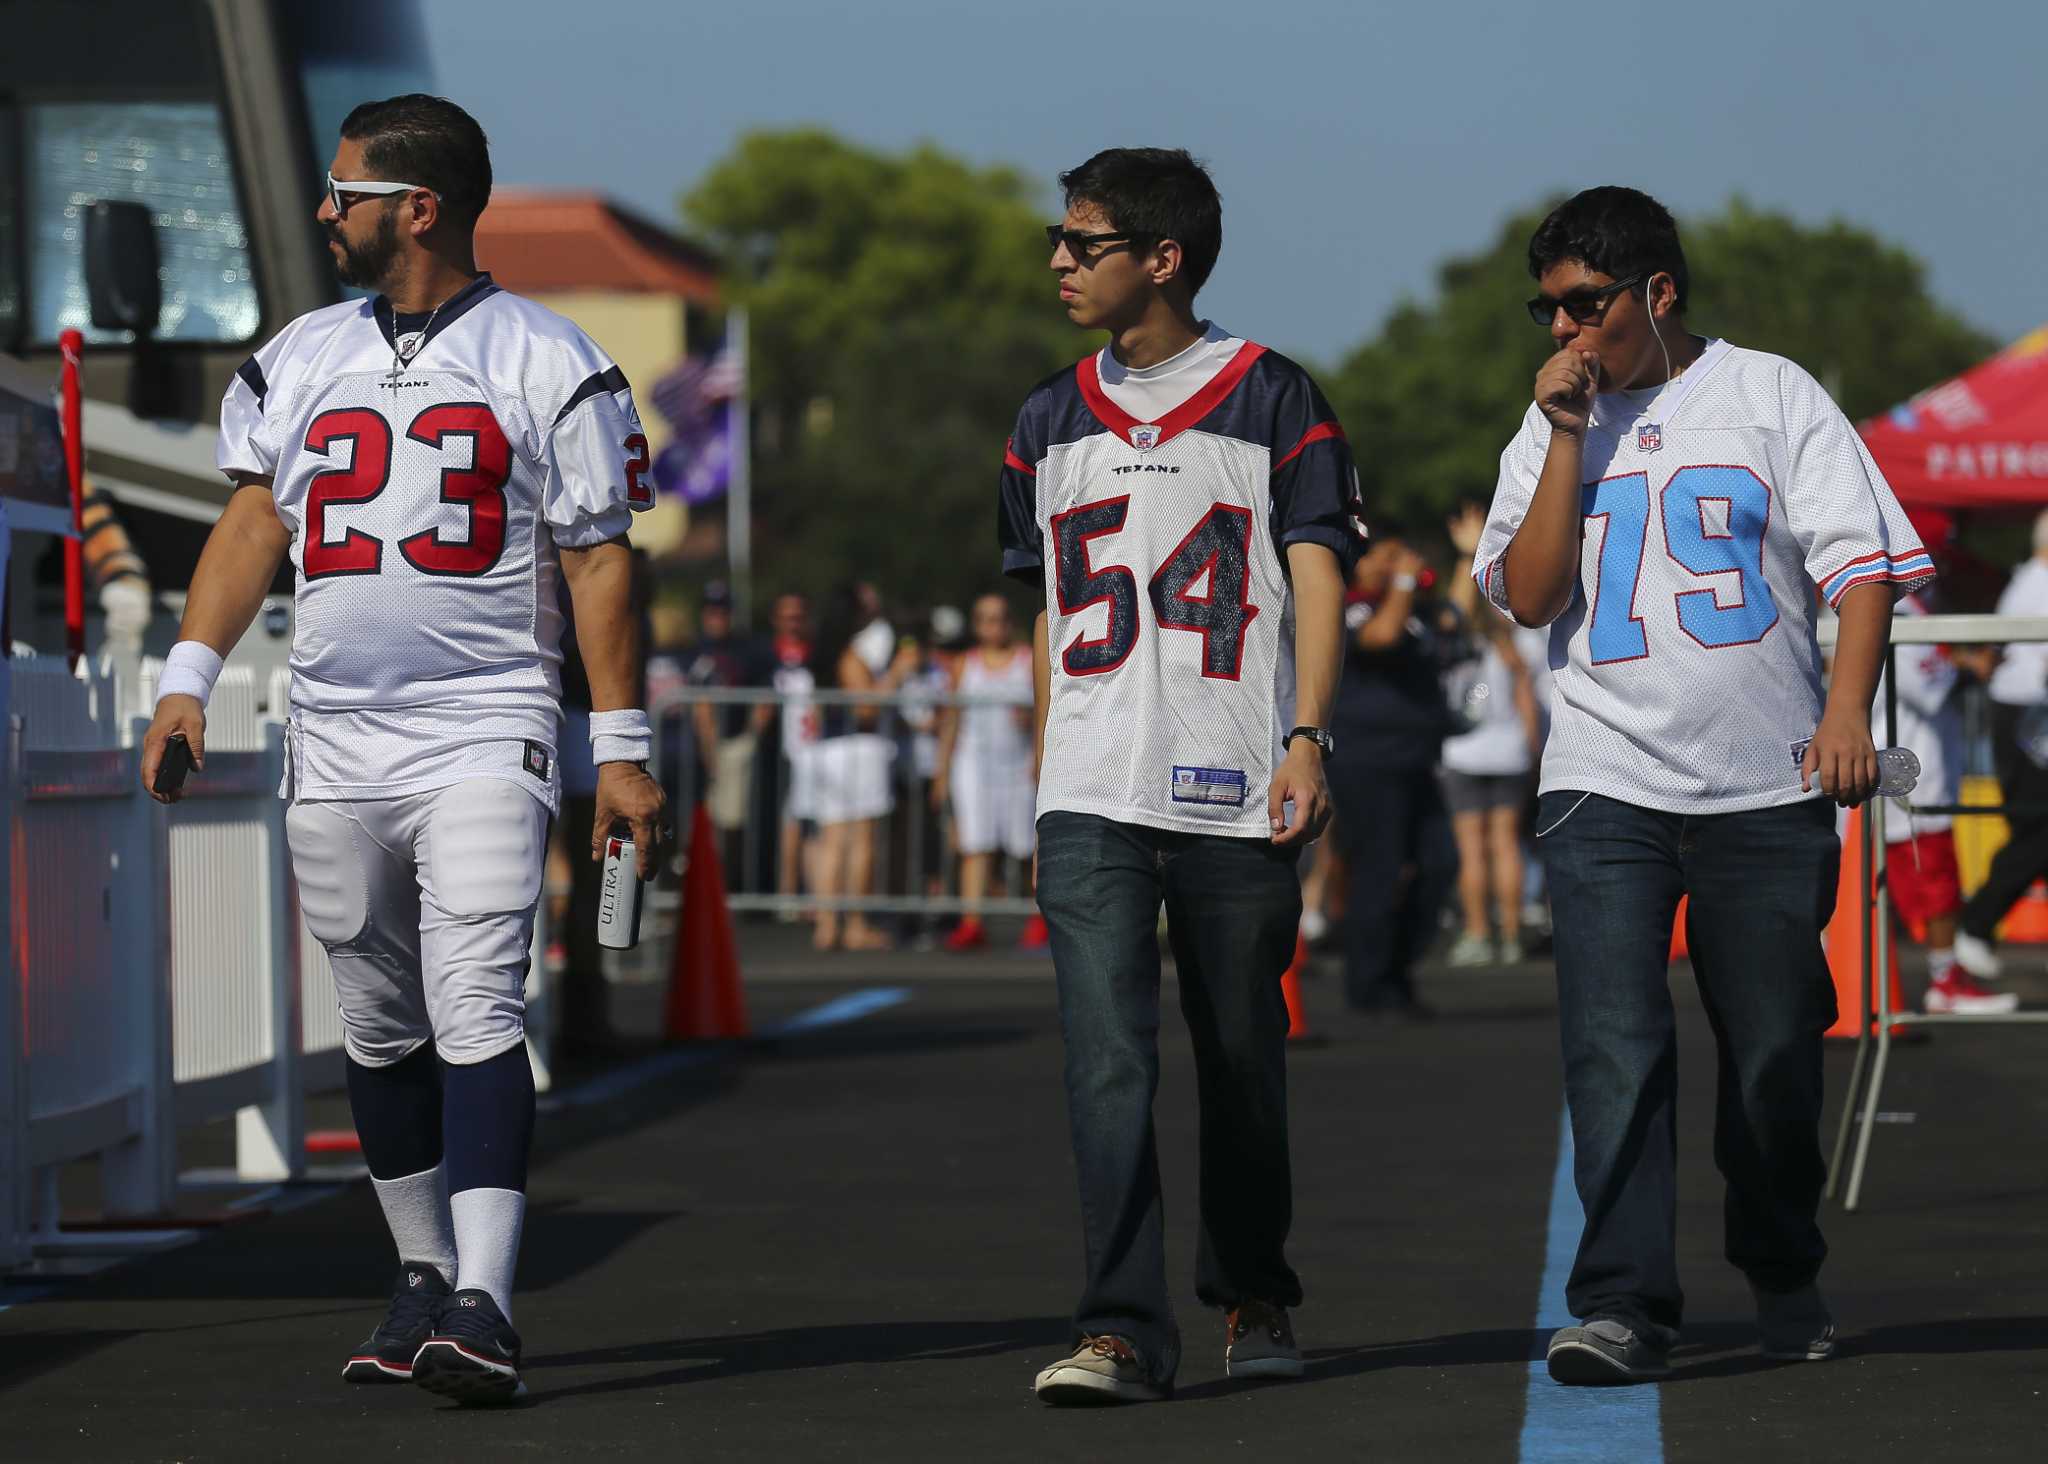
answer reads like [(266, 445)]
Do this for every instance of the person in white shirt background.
[(2018, 686), (1486, 768), (1921, 872)]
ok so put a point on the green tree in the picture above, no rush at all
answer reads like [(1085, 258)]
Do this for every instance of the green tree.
[(900, 308), (1431, 400)]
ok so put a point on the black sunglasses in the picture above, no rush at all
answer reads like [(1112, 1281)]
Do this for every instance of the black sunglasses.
[(1082, 245), (1585, 307)]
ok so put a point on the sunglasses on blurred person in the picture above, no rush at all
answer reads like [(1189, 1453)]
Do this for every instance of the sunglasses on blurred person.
[(1585, 307), (342, 194)]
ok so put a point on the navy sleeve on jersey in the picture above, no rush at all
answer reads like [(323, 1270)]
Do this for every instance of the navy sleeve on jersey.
[(1017, 501), (1315, 482)]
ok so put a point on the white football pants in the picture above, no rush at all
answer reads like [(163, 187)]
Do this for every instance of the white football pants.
[(425, 904)]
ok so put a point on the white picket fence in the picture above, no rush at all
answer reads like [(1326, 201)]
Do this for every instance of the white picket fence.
[(157, 974)]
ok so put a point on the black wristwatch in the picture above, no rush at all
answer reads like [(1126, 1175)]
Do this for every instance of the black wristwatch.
[(1320, 736)]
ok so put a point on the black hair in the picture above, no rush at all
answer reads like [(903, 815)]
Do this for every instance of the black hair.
[(1618, 231), (1155, 193), (426, 140)]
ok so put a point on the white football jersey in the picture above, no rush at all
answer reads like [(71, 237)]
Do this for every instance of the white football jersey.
[(425, 499), (1161, 544), (1686, 669)]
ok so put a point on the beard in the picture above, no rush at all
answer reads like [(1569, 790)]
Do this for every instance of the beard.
[(366, 265)]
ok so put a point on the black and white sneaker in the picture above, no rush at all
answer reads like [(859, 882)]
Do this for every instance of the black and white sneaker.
[(386, 1355), (473, 1355)]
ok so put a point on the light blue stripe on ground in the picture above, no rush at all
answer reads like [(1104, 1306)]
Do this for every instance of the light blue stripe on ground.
[(850, 1008), (620, 1081), (1620, 1425)]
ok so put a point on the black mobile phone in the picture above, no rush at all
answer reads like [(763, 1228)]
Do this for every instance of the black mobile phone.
[(177, 762)]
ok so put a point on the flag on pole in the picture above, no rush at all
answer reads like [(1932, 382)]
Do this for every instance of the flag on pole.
[(698, 399)]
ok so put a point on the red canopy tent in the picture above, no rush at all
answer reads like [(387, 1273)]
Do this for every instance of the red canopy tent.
[(1978, 441)]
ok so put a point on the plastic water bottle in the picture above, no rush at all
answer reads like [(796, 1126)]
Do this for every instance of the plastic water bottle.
[(1898, 772)]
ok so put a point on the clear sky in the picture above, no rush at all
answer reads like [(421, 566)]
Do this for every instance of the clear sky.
[(1356, 145)]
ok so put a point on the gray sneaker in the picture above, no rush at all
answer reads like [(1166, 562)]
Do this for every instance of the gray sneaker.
[(1258, 1342), (1795, 1325), (1605, 1351), (1103, 1369)]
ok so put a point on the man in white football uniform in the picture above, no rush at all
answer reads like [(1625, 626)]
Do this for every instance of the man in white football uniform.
[(436, 463), (1669, 508), (1188, 502)]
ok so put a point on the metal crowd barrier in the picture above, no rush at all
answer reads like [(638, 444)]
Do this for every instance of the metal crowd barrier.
[(1877, 1023), (915, 861), (158, 974)]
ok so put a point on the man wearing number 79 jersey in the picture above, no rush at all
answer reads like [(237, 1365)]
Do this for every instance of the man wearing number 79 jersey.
[(1669, 509), (435, 462), (1188, 504)]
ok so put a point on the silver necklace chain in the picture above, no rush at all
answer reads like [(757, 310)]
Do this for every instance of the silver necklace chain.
[(401, 353)]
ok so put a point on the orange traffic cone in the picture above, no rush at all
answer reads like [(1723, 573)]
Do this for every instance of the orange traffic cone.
[(1290, 987), (704, 998), (1679, 950), (1848, 930)]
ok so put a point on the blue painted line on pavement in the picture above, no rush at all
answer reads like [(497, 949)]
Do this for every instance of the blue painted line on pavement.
[(1619, 1425), (617, 1083), (849, 1008)]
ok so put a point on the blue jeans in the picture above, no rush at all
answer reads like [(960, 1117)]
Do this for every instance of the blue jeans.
[(1762, 885), (1232, 906)]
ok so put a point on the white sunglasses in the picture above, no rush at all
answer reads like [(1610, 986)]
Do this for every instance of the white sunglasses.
[(336, 187)]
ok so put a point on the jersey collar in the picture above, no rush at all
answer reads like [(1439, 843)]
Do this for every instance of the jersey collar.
[(452, 309), (1182, 417)]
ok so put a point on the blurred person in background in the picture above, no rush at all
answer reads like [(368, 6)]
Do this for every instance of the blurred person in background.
[(728, 735), (1487, 765), (985, 767), (922, 834), (1920, 848), (1392, 827), (850, 789), (789, 794), (2018, 687)]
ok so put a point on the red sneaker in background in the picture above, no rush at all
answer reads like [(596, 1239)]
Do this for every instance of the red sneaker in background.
[(1035, 937), (1956, 990), (967, 936)]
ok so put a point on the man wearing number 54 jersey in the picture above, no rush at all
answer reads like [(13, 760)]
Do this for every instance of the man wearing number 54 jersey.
[(1188, 503), (1672, 508), (435, 462)]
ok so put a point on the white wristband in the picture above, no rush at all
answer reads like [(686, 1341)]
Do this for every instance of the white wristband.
[(624, 736), (1405, 582), (189, 670)]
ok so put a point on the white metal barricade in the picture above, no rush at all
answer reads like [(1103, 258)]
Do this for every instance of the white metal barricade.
[(157, 972), (1877, 1023)]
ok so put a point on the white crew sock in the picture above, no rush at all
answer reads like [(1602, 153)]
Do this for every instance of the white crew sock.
[(487, 1226), (416, 1209), (1939, 961)]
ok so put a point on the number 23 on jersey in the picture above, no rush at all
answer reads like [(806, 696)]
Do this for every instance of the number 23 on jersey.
[(478, 486), (1713, 519)]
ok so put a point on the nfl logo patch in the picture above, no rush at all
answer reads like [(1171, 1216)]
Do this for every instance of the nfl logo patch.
[(1649, 437), (1145, 437)]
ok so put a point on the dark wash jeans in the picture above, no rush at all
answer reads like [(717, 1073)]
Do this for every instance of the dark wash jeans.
[(1762, 885), (1232, 907)]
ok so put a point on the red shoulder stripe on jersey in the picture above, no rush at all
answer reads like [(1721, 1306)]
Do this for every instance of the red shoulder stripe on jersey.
[(1321, 432), (1011, 460), (1182, 417)]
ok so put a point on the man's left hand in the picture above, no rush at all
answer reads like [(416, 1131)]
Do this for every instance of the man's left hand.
[(626, 793), (1299, 781), (1842, 759)]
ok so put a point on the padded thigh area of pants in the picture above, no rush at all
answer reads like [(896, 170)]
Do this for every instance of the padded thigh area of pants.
[(334, 889), (486, 842)]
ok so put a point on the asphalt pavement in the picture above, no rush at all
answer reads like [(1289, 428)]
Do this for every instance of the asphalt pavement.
[(860, 1241)]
